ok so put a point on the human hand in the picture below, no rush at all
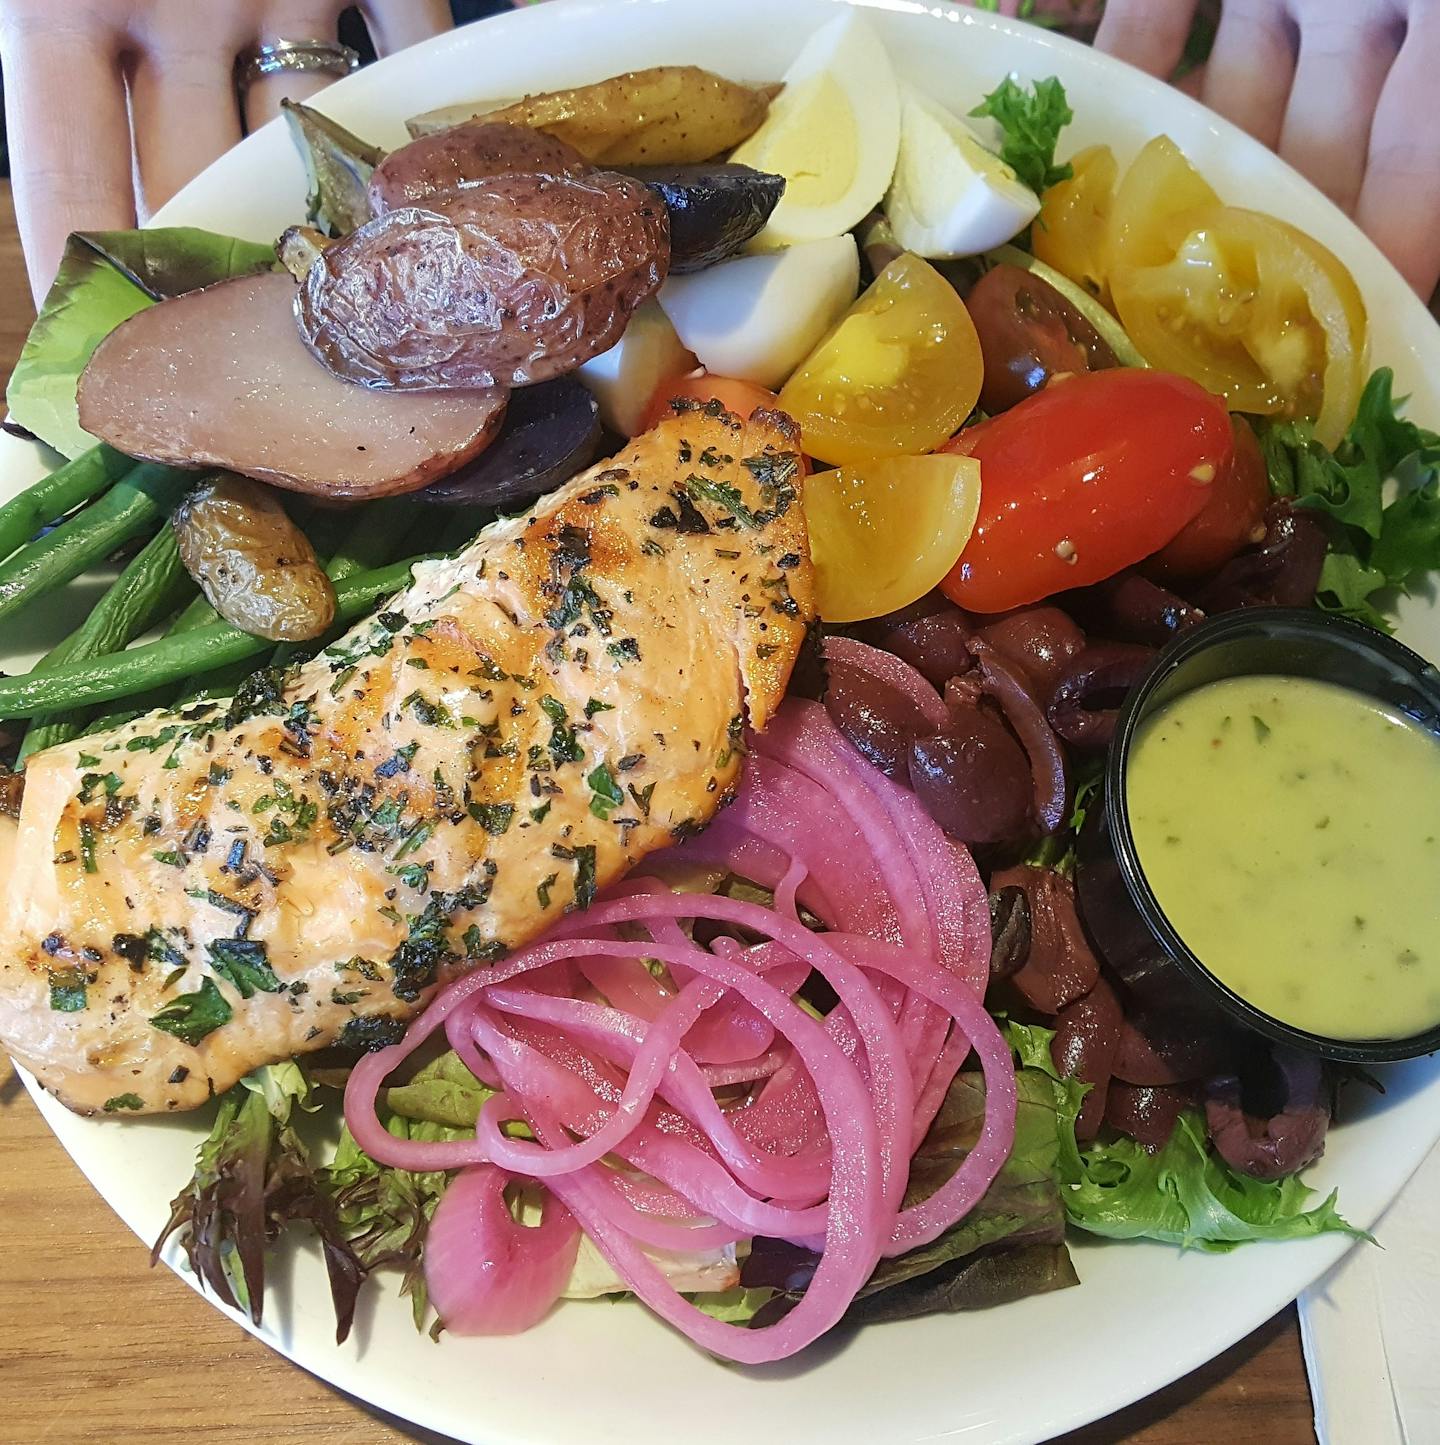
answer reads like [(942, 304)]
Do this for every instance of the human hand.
[(70, 64), (1341, 88)]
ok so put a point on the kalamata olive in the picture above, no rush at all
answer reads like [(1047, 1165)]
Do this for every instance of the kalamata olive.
[(1009, 932), (1040, 641), (1087, 1033), (1170, 1048), (1132, 608), (1028, 333), (880, 720), (934, 645), (550, 432), (1060, 968), (714, 209), (508, 282), (1087, 697), (1147, 1113), (974, 780), (1049, 784), (256, 568), (1282, 571), (1282, 1143)]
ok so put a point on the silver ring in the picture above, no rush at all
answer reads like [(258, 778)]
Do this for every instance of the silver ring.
[(323, 57)]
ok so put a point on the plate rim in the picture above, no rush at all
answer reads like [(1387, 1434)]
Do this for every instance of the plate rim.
[(1324, 1252)]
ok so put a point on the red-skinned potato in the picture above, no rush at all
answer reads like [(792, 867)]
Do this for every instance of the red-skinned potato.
[(511, 281), (450, 160), (220, 378)]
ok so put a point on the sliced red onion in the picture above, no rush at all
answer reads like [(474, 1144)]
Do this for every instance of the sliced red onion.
[(487, 1274), (822, 1155), (892, 671)]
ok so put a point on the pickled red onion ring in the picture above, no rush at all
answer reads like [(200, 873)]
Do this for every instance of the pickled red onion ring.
[(819, 1153)]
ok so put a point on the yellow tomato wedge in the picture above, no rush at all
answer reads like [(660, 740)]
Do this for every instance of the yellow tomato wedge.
[(1153, 205), (1072, 232), (1255, 311), (884, 532), (898, 374)]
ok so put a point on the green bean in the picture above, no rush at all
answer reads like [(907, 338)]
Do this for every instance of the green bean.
[(186, 654), (128, 509), (64, 489), (197, 614), (149, 587), (377, 533)]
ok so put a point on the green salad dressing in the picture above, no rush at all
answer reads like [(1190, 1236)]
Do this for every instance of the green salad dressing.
[(1290, 830)]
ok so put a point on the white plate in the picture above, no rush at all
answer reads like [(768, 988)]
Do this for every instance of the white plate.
[(600, 1372)]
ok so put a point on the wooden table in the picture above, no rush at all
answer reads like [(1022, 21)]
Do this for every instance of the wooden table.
[(97, 1347)]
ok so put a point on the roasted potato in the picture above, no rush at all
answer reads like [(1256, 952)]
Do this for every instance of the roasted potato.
[(668, 115), (458, 157), (256, 568), (551, 431), (713, 209), (220, 377), (510, 281), (337, 168), (299, 248)]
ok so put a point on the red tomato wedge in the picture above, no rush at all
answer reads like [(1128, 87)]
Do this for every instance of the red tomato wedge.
[(1232, 518), (1087, 477), (741, 397)]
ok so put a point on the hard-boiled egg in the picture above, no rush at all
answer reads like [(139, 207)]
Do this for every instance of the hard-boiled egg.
[(625, 378), (757, 317), (950, 196), (832, 132)]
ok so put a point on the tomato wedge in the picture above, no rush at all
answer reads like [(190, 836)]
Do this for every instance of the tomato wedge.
[(1087, 477), (741, 397), (1233, 515)]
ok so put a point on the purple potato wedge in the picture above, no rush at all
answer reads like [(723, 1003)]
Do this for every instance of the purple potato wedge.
[(551, 431), (714, 209)]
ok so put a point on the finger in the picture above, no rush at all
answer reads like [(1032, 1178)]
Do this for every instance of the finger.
[(291, 21), (69, 134), (394, 24), (1252, 65), (1150, 34), (1399, 203), (1339, 75), (185, 115)]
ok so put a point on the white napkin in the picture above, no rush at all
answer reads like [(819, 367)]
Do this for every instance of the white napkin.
[(1371, 1329)]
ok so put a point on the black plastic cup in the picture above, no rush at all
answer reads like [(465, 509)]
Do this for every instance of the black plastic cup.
[(1122, 915)]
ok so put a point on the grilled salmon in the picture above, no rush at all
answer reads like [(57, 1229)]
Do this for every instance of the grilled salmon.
[(201, 892)]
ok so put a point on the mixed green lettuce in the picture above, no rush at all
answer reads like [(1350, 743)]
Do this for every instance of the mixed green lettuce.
[(105, 277), (1184, 1194), (1030, 124), (1379, 492)]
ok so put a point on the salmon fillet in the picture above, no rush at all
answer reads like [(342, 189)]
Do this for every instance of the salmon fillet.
[(205, 891)]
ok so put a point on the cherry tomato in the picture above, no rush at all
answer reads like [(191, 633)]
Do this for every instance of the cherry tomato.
[(885, 531), (1232, 517), (1253, 309), (1087, 477), (741, 397), (895, 377), (1148, 216), (1028, 333), (1072, 231)]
